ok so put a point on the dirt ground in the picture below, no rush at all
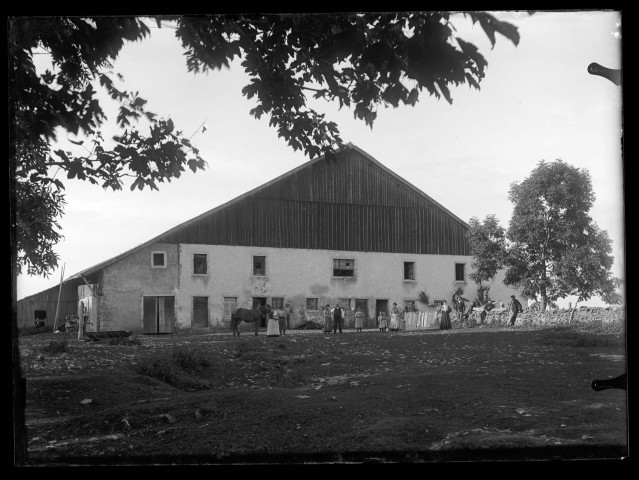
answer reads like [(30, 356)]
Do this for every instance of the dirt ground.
[(479, 395)]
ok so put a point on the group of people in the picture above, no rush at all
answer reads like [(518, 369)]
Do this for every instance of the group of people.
[(514, 308), (334, 318), (396, 323), (279, 322)]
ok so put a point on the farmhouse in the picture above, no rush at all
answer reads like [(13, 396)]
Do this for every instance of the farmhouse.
[(341, 227)]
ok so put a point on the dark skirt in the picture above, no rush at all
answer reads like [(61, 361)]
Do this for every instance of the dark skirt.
[(444, 322), (328, 324)]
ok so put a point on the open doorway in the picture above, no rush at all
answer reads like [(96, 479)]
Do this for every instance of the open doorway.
[(381, 305), (260, 301)]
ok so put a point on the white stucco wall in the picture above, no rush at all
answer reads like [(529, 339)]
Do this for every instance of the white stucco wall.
[(124, 283), (297, 274)]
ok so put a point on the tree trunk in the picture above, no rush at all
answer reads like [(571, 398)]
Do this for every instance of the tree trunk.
[(542, 294), (572, 312)]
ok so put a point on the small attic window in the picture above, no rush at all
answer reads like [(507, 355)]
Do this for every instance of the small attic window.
[(343, 267), (158, 259)]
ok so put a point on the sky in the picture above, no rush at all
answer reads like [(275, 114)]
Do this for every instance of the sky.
[(537, 102)]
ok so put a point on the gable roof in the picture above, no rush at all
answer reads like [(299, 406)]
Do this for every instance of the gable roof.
[(172, 233)]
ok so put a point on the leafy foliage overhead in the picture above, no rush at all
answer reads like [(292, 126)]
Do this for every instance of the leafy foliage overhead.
[(360, 61)]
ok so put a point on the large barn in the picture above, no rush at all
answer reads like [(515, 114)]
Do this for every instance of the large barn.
[(341, 227)]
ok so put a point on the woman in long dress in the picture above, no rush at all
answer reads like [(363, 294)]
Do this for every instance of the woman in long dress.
[(328, 324), (273, 328), (393, 325), (359, 319), (444, 322)]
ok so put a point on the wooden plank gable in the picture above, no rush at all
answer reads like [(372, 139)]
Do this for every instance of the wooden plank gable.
[(348, 201)]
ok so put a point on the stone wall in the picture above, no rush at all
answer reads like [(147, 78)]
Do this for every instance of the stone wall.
[(500, 318)]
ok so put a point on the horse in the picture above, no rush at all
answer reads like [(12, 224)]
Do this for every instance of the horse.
[(240, 315)]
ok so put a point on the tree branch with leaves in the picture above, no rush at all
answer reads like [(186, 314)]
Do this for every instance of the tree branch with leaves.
[(362, 61)]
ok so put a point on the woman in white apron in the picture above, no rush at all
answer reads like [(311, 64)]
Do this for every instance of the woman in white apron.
[(273, 328), (393, 325)]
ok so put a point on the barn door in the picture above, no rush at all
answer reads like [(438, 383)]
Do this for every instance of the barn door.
[(158, 314), (166, 314)]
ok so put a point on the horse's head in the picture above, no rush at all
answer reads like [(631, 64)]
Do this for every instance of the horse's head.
[(264, 311)]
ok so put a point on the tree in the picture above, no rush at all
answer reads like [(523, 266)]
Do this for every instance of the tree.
[(488, 248), (585, 270), (361, 61), (554, 248)]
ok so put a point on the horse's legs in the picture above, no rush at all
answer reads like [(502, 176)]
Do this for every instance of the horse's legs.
[(256, 323), (235, 326)]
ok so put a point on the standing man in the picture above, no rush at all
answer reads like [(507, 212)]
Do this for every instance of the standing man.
[(514, 307), (460, 306), (281, 321), (288, 310), (338, 317)]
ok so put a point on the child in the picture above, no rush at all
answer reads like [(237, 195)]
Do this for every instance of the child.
[(382, 322)]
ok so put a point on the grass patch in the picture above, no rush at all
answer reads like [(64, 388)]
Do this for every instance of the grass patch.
[(590, 335), (28, 331), (124, 341), (56, 347), (179, 369)]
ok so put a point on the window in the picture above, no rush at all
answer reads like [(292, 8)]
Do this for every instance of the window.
[(459, 272), (199, 264), (409, 270), (230, 304), (277, 303), (410, 304), (345, 303), (311, 304), (158, 259), (343, 267), (259, 265)]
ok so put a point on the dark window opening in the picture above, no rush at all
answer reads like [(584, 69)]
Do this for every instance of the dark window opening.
[(459, 272), (311, 304), (199, 264), (158, 259), (409, 270), (277, 303), (343, 267), (259, 265)]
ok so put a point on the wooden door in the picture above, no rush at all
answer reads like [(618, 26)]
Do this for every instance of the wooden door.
[(158, 314), (200, 317), (150, 314), (166, 314)]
